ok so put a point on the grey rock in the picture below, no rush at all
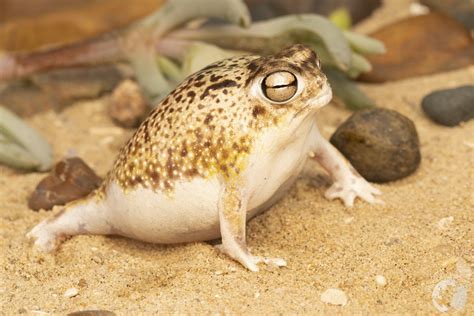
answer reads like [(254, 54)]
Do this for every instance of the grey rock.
[(381, 144), (451, 106)]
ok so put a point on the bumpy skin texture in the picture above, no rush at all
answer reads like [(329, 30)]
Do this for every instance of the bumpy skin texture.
[(222, 147), (207, 125)]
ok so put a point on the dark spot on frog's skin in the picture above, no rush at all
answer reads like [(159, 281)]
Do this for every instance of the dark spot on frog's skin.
[(258, 110), (191, 95), (215, 78), (200, 77), (252, 66), (199, 84), (220, 85), (208, 119), (178, 98)]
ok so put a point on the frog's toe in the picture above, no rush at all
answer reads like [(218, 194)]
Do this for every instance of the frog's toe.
[(348, 191)]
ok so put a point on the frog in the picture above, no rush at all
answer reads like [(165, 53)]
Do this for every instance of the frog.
[(221, 148)]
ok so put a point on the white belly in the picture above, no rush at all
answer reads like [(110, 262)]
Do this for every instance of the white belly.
[(191, 213)]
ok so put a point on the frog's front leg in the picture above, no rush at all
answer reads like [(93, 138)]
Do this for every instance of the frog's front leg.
[(348, 183), (232, 218)]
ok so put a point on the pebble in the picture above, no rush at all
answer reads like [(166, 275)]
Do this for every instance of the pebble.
[(445, 222), (380, 280), (128, 105), (334, 297), (71, 292), (451, 106), (69, 180), (381, 144), (348, 220)]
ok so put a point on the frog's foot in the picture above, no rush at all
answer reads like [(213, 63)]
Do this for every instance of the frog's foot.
[(249, 261), (232, 217), (78, 218), (45, 239), (355, 186)]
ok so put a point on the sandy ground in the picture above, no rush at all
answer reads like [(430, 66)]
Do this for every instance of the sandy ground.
[(326, 245)]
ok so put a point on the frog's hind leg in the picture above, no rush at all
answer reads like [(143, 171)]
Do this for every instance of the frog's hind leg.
[(232, 217), (86, 216)]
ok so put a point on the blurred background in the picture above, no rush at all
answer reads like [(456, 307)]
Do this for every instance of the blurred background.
[(26, 25)]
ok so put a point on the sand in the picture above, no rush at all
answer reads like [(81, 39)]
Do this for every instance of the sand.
[(415, 240)]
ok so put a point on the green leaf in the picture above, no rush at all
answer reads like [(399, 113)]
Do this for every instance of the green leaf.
[(347, 90), (359, 65), (364, 44), (149, 75), (277, 32), (177, 12), (172, 14), (21, 141), (169, 69), (15, 156), (201, 55)]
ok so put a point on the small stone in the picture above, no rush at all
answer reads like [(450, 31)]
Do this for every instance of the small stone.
[(348, 220), (445, 222), (71, 292), (128, 105), (451, 106), (381, 144), (69, 180), (380, 280), (82, 283), (334, 297)]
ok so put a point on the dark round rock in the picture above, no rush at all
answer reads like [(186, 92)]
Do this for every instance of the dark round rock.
[(450, 107), (381, 144)]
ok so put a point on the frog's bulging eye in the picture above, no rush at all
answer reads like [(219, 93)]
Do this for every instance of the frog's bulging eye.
[(280, 86)]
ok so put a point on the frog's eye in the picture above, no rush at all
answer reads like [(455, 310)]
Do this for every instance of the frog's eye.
[(279, 86)]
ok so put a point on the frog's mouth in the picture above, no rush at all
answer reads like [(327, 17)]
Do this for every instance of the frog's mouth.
[(317, 102)]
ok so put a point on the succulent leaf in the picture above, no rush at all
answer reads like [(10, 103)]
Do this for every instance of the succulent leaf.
[(347, 90), (169, 69), (201, 55), (177, 12), (364, 44), (21, 142)]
